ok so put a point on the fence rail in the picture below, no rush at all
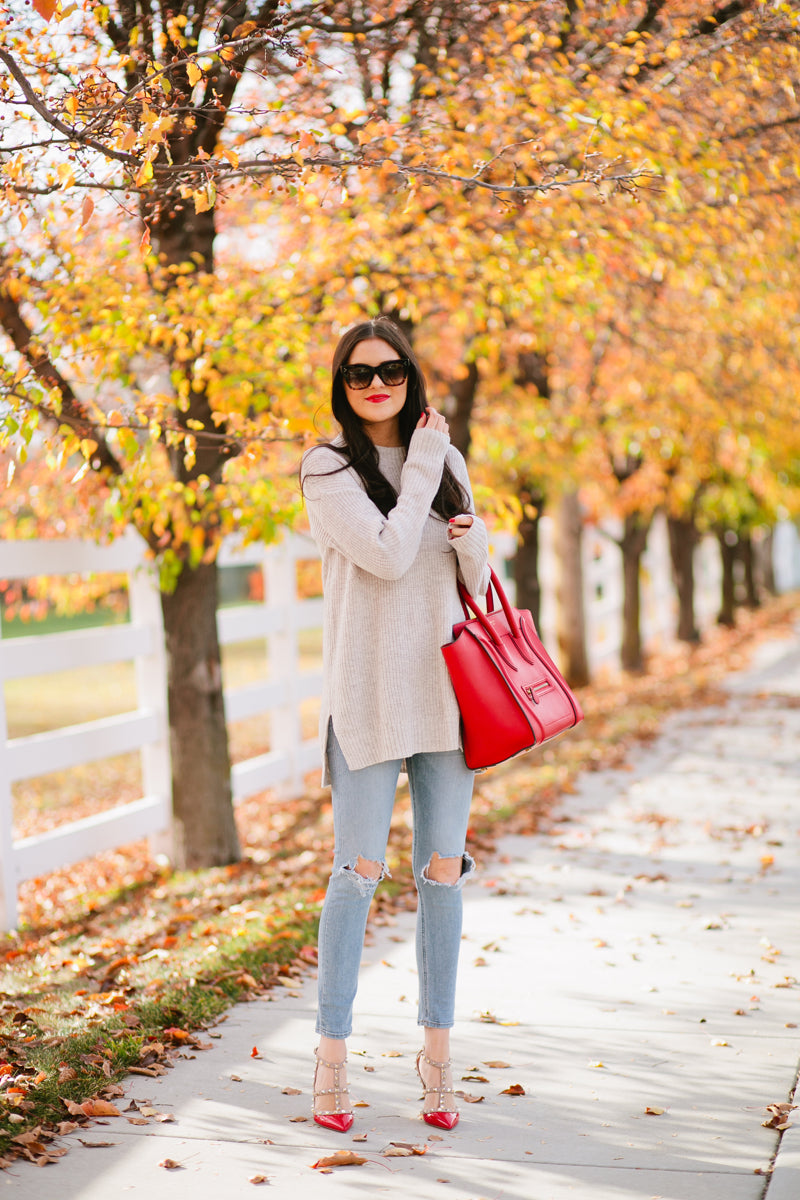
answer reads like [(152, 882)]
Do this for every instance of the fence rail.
[(279, 619), (144, 729)]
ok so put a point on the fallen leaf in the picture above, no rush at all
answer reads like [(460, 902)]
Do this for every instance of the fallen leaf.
[(468, 1098), (516, 1089), (100, 1108), (359, 1137), (170, 1164), (72, 1107), (342, 1158), (29, 1138), (597, 1064), (255, 1053), (258, 1179), (403, 1150), (298, 1120), (474, 1079), (778, 1115), (495, 1063), (655, 1112), (96, 1145), (291, 1091)]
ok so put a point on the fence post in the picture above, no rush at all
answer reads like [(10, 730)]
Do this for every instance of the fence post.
[(280, 586), (151, 690), (8, 872), (659, 616)]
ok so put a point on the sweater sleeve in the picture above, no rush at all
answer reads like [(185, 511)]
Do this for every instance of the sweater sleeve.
[(472, 547), (342, 515)]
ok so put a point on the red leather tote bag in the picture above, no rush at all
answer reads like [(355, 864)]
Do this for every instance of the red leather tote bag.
[(511, 694)]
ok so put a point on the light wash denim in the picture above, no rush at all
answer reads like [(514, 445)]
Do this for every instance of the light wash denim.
[(441, 792)]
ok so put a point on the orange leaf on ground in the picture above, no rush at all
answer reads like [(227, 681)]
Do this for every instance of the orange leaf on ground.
[(100, 1108), (342, 1158), (516, 1089)]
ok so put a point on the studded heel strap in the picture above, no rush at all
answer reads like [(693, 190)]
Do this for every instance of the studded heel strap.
[(445, 1115), (337, 1118)]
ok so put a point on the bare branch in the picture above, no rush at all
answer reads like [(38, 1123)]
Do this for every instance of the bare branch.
[(73, 414), (72, 134)]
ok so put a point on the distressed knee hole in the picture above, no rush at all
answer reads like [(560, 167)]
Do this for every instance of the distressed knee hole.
[(450, 871), (365, 873), (367, 868)]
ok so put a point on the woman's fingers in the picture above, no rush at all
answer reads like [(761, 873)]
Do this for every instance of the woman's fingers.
[(457, 526), (431, 419)]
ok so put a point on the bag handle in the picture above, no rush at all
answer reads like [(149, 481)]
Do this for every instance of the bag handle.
[(467, 602)]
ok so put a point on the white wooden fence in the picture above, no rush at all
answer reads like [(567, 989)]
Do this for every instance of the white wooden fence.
[(279, 619), (145, 729)]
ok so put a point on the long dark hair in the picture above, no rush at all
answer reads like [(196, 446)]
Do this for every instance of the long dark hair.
[(359, 451)]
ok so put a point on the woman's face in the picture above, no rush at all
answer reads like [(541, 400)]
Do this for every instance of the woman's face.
[(379, 405)]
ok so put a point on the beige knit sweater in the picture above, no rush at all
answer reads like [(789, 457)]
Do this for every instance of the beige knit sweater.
[(390, 601)]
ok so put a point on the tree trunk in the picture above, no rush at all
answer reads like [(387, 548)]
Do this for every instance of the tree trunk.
[(632, 545), (747, 558), (766, 563), (727, 548), (203, 822), (526, 562), (204, 828), (459, 413), (571, 615), (683, 538)]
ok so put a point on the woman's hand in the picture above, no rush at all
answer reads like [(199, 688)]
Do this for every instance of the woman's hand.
[(431, 419), (458, 526)]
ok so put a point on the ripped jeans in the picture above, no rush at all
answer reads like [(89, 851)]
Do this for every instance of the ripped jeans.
[(441, 792)]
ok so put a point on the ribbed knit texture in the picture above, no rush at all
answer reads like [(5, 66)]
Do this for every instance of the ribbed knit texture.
[(390, 601)]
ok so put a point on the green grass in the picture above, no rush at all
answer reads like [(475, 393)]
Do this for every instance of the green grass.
[(61, 1036), (60, 623)]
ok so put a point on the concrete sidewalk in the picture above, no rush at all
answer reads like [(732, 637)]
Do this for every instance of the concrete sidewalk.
[(641, 954)]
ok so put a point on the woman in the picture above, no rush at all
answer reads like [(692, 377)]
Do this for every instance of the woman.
[(391, 510)]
